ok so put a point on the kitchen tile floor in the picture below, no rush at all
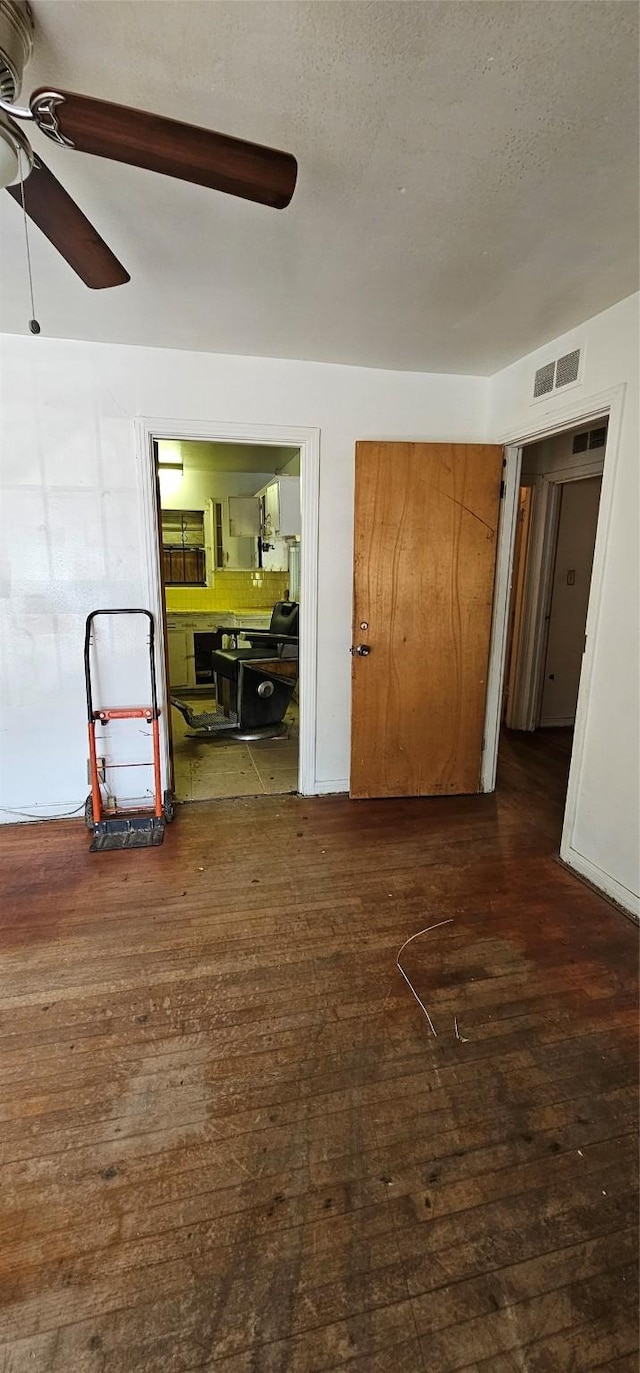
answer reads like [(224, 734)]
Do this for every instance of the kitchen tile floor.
[(208, 769)]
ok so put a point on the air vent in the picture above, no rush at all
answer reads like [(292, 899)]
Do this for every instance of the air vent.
[(594, 438), (598, 437), (567, 368), (554, 375), (544, 379)]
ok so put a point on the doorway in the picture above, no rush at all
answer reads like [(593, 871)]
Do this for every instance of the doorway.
[(557, 516), (558, 505), (181, 570), (230, 527), (230, 522)]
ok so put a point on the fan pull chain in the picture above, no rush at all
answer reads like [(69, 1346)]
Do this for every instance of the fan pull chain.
[(33, 323)]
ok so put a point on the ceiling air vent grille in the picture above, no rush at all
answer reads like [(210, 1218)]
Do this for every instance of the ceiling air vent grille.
[(544, 379), (567, 368)]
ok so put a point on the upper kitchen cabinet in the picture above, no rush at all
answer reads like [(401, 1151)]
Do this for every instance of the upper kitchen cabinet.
[(244, 517), (228, 547), (281, 499), (183, 548)]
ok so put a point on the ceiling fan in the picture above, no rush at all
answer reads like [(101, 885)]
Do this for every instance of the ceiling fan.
[(185, 151)]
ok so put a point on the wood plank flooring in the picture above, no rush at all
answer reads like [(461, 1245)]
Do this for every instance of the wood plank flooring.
[(229, 1141)]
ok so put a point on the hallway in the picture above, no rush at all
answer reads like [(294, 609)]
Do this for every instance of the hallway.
[(230, 1141), (533, 769)]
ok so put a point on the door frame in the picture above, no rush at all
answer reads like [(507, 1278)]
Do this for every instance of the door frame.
[(517, 599), (151, 427), (605, 404)]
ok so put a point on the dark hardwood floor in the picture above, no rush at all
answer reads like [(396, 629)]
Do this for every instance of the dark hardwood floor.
[(229, 1140)]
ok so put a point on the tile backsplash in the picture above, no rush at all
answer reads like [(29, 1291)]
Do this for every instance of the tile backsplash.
[(231, 591)]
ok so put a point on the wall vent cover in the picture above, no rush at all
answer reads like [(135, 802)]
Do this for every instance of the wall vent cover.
[(554, 375), (589, 438), (544, 379), (567, 368)]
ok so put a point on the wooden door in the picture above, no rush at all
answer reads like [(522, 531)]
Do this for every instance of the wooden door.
[(426, 519)]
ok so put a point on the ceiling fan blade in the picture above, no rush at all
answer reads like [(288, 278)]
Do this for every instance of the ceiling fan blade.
[(68, 229), (166, 145)]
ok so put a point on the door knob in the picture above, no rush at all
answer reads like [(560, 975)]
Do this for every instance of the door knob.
[(361, 650)]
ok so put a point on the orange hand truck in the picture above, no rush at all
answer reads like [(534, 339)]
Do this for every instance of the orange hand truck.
[(124, 829)]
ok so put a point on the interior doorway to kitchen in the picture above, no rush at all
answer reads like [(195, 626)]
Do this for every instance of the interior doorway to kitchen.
[(229, 526)]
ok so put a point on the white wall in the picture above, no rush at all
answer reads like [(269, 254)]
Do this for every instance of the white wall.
[(72, 528), (602, 838), (199, 485)]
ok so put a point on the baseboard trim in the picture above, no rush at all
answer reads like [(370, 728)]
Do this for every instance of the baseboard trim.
[(602, 882), (330, 788), (36, 813)]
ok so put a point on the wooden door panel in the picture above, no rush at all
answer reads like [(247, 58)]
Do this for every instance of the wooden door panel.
[(424, 560)]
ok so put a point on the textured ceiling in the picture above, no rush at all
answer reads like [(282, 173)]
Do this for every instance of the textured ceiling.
[(467, 184)]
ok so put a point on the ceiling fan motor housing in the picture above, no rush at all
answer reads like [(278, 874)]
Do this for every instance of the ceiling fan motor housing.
[(123, 134), (16, 45)]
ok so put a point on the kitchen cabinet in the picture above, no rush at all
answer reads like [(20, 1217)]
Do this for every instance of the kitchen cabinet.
[(282, 508), (275, 558), (183, 547), (183, 566), (228, 547), (271, 497), (244, 517), (181, 656), (205, 643), (192, 638)]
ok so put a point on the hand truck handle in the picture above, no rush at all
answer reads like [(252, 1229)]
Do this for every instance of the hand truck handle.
[(152, 659)]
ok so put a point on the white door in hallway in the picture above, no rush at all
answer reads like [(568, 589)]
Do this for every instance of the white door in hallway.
[(567, 616)]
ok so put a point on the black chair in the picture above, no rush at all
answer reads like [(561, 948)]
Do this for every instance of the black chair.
[(263, 694), (280, 640)]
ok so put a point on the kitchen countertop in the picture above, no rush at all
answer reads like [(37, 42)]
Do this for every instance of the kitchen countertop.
[(240, 613)]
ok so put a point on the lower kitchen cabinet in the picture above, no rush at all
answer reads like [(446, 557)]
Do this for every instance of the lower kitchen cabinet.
[(181, 657), (205, 642), (191, 640)]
